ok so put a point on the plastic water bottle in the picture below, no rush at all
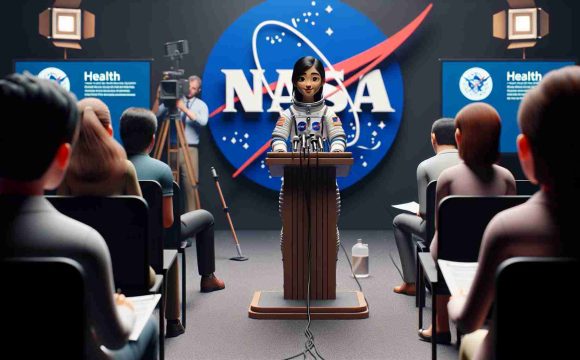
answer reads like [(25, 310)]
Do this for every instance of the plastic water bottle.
[(360, 259)]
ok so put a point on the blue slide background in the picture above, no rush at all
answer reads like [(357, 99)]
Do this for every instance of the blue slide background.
[(452, 100), (138, 71)]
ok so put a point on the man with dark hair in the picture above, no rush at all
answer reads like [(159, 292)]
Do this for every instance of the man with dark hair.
[(138, 128), (37, 229), (406, 225)]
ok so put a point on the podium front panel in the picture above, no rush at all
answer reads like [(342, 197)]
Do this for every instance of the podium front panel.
[(310, 232)]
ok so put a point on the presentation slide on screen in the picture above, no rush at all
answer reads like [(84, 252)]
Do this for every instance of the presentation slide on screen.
[(501, 84), (120, 84)]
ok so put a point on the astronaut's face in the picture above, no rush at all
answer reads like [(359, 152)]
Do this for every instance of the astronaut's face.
[(309, 84)]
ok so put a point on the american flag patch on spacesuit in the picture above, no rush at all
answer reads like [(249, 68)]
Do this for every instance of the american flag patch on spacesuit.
[(281, 121), (336, 121)]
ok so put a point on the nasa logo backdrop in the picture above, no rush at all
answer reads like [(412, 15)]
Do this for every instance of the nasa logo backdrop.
[(247, 82)]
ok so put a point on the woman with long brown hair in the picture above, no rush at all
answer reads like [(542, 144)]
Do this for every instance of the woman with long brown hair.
[(99, 164), (477, 131)]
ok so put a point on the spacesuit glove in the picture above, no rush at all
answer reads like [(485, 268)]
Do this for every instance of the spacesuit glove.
[(337, 147), (279, 147)]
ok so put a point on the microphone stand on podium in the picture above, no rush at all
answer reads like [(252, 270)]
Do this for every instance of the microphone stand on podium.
[(309, 216)]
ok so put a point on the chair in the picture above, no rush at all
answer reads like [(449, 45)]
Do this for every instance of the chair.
[(422, 245), (123, 221), (153, 194), (525, 187), (530, 322), (163, 259), (41, 293), (173, 241), (459, 239)]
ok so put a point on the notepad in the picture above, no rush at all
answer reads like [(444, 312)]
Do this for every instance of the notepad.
[(458, 275), (411, 207), (144, 306)]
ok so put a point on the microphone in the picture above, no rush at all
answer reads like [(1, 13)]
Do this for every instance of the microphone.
[(313, 142), (304, 144), (295, 143), (214, 173), (320, 143)]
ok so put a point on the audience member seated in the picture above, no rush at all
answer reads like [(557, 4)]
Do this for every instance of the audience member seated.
[(541, 226), (477, 135), (37, 229), (405, 225), (98, 164), (138, 128)]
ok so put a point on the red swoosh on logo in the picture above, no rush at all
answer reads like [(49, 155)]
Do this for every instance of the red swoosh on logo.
[(371, 58)]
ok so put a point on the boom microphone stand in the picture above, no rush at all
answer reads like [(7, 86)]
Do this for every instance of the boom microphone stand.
[(240, 257)]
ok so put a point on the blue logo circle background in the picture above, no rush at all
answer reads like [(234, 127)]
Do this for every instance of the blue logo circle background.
[(239, 135)]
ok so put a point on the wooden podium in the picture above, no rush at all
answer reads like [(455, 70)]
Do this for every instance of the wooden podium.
[(309, 215)]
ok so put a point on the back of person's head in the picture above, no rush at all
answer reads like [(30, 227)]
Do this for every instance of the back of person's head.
[(444, 131), (99, 108), (39, 117), (138, 126), (480, 126), (547, 118), (96, 155)]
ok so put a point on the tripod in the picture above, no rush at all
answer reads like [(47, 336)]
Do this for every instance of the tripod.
[(164, 141)]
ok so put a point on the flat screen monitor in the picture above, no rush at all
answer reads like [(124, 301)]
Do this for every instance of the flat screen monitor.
[(119, 83), (500, 83)]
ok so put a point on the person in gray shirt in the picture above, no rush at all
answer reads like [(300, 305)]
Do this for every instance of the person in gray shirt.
[(138, 133), (405, 225), (31, 227)]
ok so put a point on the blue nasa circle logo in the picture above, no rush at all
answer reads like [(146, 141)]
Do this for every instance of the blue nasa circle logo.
[(247, 82), (316, 126), (301, 126)]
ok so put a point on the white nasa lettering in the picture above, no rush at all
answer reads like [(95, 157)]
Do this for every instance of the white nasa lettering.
[(236, 83), (374, 83), (284, 82), (106, 76), (251, 98), (338, 100)]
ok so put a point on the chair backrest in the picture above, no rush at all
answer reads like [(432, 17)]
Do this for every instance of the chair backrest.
[(123, 222), (525, 187), (153, 194), (430, 210), (172, 235), (535, 315), (43, 308), (462, 221)]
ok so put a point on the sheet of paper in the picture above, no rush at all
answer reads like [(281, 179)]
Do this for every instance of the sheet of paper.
[(144, 306), (411, 207), (458, 275)]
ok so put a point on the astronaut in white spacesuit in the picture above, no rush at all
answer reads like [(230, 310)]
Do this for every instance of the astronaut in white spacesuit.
[(308, 117)]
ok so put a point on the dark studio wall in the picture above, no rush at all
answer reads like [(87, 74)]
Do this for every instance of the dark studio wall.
[(453, 29)]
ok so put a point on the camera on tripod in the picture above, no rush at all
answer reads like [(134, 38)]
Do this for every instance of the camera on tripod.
[(174, 84)]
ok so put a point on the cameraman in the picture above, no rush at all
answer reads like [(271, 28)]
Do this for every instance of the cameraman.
[(193, 113)]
